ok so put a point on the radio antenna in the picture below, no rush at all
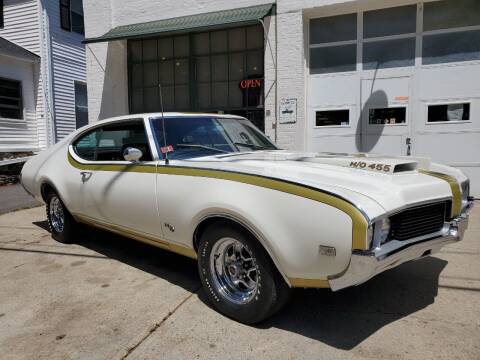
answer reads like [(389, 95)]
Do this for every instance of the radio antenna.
[(163, 126)]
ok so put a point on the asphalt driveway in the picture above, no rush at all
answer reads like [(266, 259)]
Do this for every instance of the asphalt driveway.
[(108, 297)]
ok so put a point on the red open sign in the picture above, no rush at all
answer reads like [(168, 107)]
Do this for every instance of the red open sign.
[(251, 83)]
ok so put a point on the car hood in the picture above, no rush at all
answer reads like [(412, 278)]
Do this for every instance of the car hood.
[(374, 182)]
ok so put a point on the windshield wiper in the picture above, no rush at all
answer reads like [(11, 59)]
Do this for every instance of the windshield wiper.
[(198, 146), (251, 146)]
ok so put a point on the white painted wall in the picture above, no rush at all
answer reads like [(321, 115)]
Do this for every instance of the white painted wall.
[(22, 27), (68, 66), (20, 134)]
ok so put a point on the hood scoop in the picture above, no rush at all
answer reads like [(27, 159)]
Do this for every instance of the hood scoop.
[(385, 165)]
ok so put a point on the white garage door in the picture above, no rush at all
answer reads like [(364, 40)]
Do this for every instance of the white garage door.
[(401, 80)]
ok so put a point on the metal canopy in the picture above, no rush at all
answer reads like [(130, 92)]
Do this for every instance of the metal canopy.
[(186, 23)]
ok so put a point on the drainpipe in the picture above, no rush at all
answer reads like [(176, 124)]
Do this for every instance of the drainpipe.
[(47, 73)]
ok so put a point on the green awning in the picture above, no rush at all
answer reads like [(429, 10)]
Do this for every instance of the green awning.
[(183, 24)]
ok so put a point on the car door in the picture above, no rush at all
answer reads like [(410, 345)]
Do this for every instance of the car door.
[(113, 191)]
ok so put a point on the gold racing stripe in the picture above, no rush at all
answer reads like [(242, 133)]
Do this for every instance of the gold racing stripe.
[(454, 186), (359, 222)]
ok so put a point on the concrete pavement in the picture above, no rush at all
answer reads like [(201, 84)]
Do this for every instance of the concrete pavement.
[(112, 298), (14, 197)]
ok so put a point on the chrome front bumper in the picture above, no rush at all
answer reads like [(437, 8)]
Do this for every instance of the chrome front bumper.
[(366, 264)]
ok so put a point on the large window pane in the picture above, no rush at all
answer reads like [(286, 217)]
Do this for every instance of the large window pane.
[(203, 69), (219, 68), (235, 95), (255, 63), (136, 101), (392, 21), (137, 75), (151, 99), (450, 14), (81, 105), (150, 74), (333, 29), (444, 48), (203, 96), (168, 98), (181, 71), (388, 54), (182, 98), (181, 47), (236, 39), (219, 41), (165, 69), (165, 48), (220, 95), (255, 37), (135, 50), (237, 68), (201, 44), (149, 50), (333, 59)]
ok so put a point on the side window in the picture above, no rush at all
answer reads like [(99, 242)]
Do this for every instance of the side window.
[(115, 138), (86, 145)]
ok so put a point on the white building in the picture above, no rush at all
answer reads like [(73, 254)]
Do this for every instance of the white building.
[(390, 76), (42, 73)]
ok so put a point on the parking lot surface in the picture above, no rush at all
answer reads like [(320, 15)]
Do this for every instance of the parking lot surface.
[(108, 297)]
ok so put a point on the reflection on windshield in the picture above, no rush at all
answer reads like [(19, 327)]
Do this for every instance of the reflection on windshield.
[(202, 136)]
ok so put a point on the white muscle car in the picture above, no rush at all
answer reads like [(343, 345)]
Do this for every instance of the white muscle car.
[(259, 220)]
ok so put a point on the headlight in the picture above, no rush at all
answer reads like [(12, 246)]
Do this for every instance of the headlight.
[(380, 232), (465, 192), (383, 230)]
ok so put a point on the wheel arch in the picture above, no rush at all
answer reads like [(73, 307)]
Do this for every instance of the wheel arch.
[(205, 222)]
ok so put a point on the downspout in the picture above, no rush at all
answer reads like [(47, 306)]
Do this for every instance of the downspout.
[(47, 74)]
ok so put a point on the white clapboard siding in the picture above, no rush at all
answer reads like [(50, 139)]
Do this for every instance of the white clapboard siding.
[(68, 58), (21, 26)]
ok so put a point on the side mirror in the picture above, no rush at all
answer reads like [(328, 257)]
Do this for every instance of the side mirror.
[(132, 154)]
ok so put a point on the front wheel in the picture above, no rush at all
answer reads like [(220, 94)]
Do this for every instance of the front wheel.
[(239, 277), (63, 226)]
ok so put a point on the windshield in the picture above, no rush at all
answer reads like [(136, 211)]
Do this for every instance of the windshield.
[(202, 136)]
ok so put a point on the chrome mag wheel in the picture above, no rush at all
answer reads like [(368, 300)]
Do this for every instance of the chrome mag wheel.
[(234, 271), (57, 215)]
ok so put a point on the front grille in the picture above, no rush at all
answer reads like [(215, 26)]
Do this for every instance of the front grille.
[(418, 221)]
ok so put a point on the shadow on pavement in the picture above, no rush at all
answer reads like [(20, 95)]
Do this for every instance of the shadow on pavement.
[(346, 318), (339, 319), (171, 267)]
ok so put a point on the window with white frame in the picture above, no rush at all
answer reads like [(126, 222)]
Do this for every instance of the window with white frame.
[(451, 31), (333, 44), (448, 112), (71, 16), (337, 117), (388, 116)]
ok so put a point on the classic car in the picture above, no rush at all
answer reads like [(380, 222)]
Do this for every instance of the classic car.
[(259, 220)]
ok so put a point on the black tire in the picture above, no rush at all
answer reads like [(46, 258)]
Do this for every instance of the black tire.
[(67, 233), (271, 293)]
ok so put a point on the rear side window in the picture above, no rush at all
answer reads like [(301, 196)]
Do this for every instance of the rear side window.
[(85, 146), (109, 142)]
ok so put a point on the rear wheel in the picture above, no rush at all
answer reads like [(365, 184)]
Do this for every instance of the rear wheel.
[(62, 225), (239, 277)]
